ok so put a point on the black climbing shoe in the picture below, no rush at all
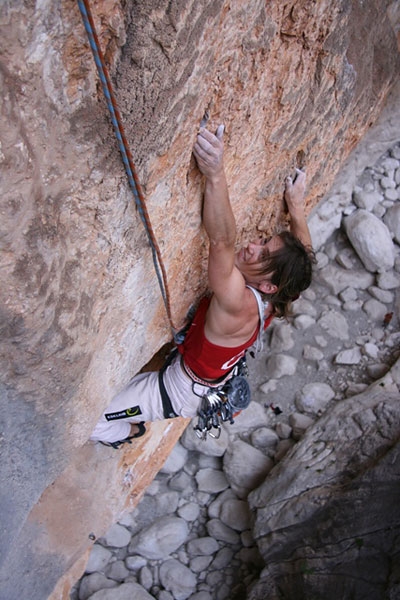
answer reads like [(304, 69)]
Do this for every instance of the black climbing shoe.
[(116, 445)]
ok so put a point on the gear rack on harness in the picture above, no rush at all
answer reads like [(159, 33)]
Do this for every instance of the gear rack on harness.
[(221, 404)]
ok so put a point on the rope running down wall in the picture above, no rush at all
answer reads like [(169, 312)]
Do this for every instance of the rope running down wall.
[(126, 153)]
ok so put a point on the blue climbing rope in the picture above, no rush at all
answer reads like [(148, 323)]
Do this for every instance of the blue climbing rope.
[(125, 152)]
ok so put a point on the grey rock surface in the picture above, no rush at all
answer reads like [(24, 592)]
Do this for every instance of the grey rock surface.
[(176, 460), (98, 559), (313, 398), (202, 546), (211, 480), (236, 514), (392, 221), (222, 532), (334, 506)]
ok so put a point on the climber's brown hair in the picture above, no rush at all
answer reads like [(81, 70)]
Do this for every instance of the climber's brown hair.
[(291, 268)]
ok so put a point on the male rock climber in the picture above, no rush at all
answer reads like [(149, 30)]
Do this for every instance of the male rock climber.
[(248, 288)]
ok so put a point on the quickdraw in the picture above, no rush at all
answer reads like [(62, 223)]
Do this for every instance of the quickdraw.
[(220, 405)]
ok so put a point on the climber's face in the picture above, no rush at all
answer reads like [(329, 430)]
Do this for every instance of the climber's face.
[(251, 260)]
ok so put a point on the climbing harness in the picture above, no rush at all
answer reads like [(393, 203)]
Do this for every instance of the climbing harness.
[(126, 153), (219, 401)]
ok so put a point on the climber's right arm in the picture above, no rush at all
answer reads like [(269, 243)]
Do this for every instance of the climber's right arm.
[(225, 279)]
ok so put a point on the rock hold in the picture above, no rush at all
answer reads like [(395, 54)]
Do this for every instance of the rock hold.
[(218, 530), (202, 546), (93, 583), (210, 480), (335, 324), (99, 558), (236, 514), (117, 536)]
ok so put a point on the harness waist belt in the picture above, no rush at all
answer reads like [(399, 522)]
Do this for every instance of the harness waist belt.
[(212, 384)]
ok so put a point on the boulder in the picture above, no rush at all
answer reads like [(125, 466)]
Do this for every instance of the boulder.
[(164, 536), (371, 240), (327, 518), (126, 591), (245, 466), (314, 398), (178, 579)]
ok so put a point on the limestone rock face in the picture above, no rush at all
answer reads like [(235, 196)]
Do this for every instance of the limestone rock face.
[(296, 83), (327, 520)]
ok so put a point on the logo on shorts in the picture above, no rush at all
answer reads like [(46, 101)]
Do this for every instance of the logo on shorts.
[(124, 414)]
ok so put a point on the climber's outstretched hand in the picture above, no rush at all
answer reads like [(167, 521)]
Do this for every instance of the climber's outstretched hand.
[(209, 152), (294, 192), (294, 197)]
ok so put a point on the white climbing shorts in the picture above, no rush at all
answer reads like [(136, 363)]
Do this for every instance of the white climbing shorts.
[(141, 401)]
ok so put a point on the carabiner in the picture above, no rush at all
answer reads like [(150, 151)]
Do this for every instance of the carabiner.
[(201, 433), (215, 435)]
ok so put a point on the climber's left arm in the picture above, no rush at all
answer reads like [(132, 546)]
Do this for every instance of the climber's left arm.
[(294, 197)]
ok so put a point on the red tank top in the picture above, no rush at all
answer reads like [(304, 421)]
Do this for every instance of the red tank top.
[(207, 360)]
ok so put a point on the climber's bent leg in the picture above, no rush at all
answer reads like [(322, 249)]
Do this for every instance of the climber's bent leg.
[(139, 401)]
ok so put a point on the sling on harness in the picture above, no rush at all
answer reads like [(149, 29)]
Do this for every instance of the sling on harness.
[(168, 411)]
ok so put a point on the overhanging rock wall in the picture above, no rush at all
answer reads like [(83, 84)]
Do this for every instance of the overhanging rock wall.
[(295, 83)]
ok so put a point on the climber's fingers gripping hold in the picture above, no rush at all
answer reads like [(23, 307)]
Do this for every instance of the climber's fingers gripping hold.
[(294, 192), (209, 151)]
